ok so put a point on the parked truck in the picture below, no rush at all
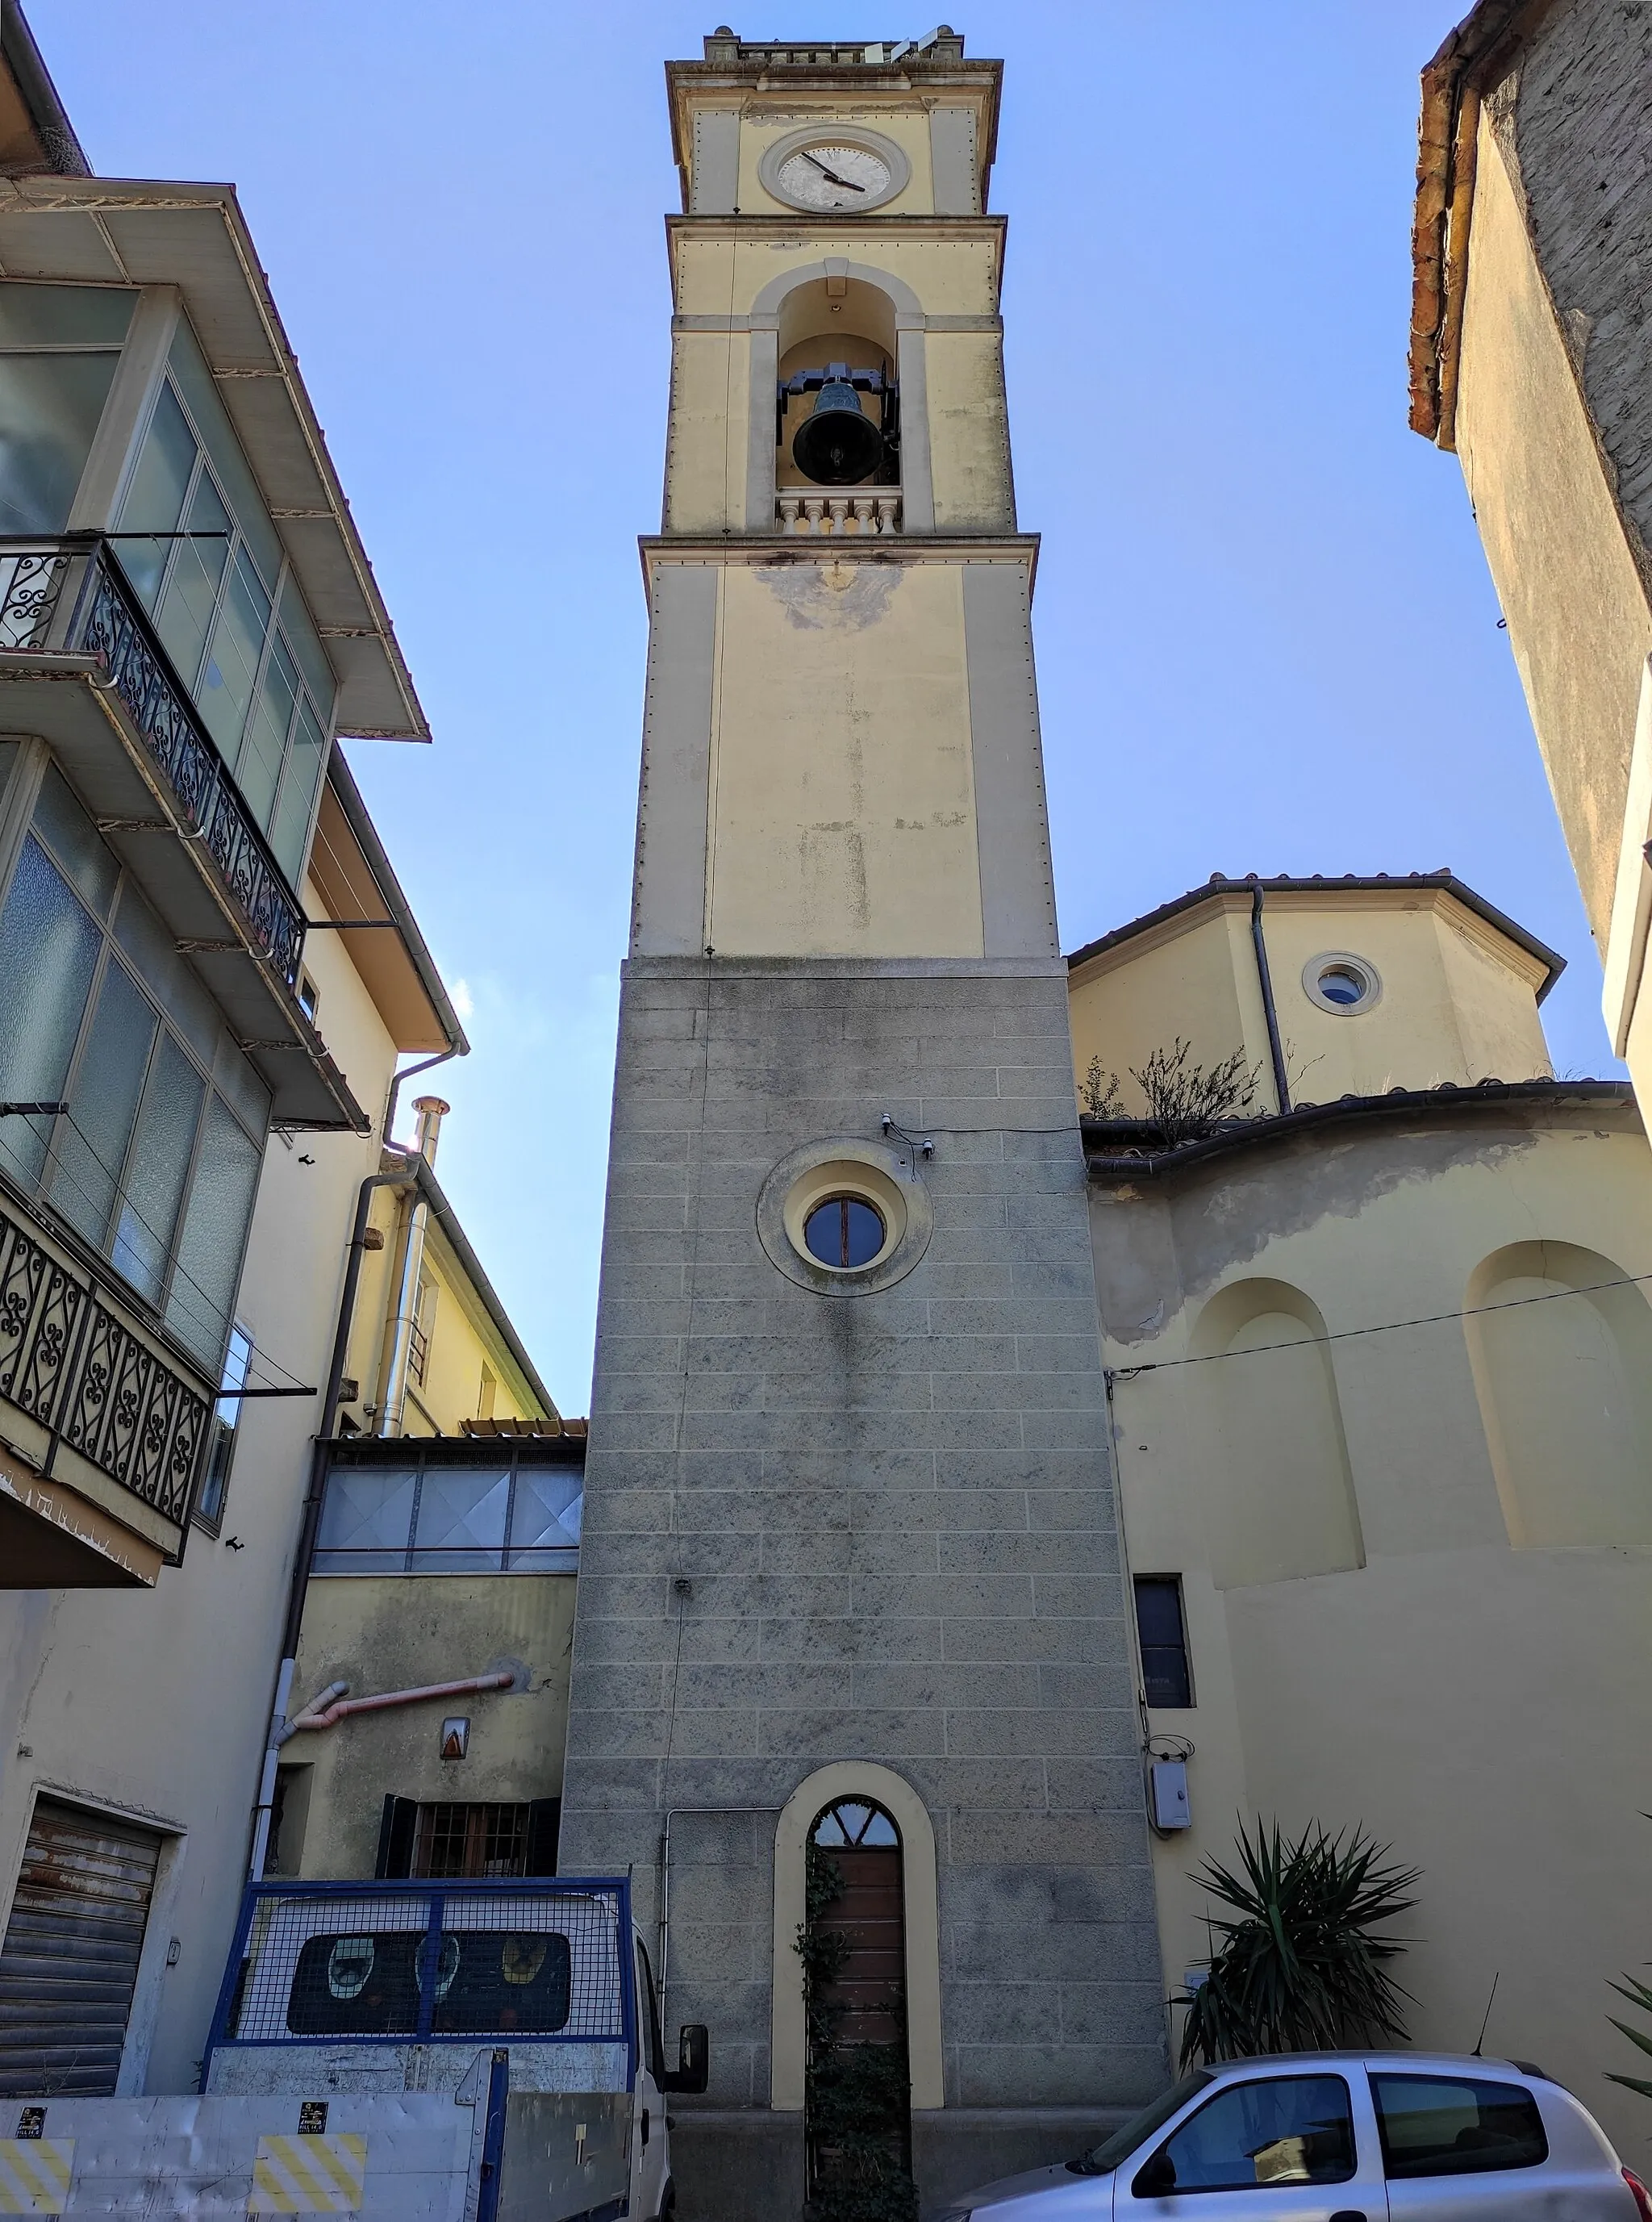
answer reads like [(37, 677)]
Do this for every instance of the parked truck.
[(399, 2051)]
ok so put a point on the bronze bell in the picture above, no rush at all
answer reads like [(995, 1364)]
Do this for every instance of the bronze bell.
[(836, 443)]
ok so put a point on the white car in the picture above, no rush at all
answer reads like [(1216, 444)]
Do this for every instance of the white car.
[(1338, 2137)]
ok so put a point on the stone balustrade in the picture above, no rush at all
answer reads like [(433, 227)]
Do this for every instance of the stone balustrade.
[(856, 510)]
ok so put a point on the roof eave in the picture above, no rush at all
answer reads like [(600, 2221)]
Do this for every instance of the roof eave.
[(1351, 883), (60, 145), (398, 715), (364, 833), (1112, 1171), (1446, 135)]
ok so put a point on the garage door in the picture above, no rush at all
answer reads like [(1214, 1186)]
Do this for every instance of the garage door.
[(70, 1960)]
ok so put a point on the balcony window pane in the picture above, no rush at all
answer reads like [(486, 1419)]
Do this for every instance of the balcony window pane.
[(226, 1421), (232, 657), (306, 646), (155, 501), (50, 405), (164, 974), (47, 949), (214, 1237), (195, 382), (192, 595), (63, 315), (91, 1145), (461, 1523), (290, 829), (75, 843), (366, 1521), (258, 772), (236, 1075), (545, 1522), (161, 1161)]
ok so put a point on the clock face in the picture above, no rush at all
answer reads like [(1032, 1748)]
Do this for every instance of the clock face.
[(834, 177)]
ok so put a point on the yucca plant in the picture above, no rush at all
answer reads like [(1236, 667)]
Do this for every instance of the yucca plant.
[(1638, 1995), (1299, 1968)]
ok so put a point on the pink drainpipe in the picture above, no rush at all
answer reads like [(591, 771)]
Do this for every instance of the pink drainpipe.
[(320, 1714)]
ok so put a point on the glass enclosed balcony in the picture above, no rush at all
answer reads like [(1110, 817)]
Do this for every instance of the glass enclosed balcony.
[(186, 615), (73, 596)]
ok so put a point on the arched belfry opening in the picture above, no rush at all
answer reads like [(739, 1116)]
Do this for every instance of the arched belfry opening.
[(857, 2102), (837, 353)]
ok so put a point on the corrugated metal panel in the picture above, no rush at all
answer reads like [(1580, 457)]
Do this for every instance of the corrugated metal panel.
[(70, 1960)]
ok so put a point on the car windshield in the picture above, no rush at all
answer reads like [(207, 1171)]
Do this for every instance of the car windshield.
[(1122, 2143)]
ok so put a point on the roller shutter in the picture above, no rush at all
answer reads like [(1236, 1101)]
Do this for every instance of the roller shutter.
[(70, 1959)]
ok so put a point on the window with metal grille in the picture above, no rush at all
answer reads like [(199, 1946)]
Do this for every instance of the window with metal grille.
[(470, 1840), (1165, 1675)]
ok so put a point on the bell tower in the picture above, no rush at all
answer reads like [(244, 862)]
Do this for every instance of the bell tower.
[(849, 1519)]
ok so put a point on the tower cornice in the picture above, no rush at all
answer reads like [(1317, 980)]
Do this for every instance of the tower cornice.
[(772, 552)]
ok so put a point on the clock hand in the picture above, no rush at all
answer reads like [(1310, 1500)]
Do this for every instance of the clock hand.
[(831, 176)]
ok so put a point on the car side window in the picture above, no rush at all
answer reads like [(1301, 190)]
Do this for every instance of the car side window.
[(1456, 2125), (1279, 2130)]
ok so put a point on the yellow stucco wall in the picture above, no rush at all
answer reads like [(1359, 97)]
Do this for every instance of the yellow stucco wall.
[(842, 804), (969, 433), (1197, 966), (1578, 622), (705, 434), (1470, 1681), (1457, 1001), (462, 1341), (719, 272), (405, 1632), (718, 276)]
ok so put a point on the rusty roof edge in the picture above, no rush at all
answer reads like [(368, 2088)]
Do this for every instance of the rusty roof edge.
[(1443, 209)]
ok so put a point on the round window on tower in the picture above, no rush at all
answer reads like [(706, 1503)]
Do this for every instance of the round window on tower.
[(844, 1216), (844, 1232), (1339, 981)]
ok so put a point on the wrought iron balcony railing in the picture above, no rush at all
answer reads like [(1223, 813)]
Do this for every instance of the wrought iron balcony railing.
[(70, 596), (70, 1358)]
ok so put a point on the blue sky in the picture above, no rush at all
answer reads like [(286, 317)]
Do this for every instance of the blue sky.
[(1266, 635)]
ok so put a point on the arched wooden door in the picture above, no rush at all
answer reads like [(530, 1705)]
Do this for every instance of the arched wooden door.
[(858, 2109)]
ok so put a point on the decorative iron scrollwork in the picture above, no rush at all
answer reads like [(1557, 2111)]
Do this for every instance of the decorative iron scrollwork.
[(31, 579), (110, 623), (70, 1360)]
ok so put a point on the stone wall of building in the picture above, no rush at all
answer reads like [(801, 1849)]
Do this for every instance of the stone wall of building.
[(878, 1527)]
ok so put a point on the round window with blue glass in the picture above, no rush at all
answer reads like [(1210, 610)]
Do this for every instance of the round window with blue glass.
[(1340, 982), (844, 1232)]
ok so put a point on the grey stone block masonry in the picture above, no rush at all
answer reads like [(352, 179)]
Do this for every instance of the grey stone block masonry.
[(894, 1514)]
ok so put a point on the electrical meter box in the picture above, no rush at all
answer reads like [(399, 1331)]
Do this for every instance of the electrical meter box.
[(1169, 1785)]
